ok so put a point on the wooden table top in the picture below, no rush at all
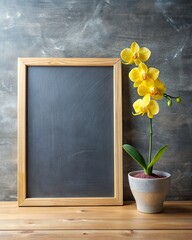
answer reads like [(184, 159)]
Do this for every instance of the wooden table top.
[(102, 222)]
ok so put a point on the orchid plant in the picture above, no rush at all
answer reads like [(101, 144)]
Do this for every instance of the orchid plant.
[(151, 89)]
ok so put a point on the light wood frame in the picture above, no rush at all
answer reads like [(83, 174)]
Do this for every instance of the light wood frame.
[(23, 63)]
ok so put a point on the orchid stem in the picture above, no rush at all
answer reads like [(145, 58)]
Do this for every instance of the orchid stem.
[(168, 96), (150, 145)]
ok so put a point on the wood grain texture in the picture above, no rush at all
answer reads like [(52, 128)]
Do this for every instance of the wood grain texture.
[(95, 234), (111, 222), (69, 61), (118, 165), (21, 153)]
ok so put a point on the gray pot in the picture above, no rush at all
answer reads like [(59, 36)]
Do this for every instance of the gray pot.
[(149, 194)]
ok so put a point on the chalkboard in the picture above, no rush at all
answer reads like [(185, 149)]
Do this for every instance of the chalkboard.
[(69, 132)]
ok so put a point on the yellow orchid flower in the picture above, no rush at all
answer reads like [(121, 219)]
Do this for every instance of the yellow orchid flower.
[(143, 73), (146, 105), (156, 89), (149, 86), (135, 54)]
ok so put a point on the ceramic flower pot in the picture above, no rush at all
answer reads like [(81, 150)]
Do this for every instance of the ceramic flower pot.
[(149, 194)]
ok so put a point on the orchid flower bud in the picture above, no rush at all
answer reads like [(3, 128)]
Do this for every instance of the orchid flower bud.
[(178, 99), (169, 103)]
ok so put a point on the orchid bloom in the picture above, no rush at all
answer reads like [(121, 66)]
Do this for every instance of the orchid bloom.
[(143, 73), (146, 105), (149, 86), (135, 54), (156, 89)]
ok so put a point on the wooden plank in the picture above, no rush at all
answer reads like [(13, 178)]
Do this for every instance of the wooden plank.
[(69, 61), (73, 201), (126, 211), (97, 224), (103, 213), (175, 216), (118, 151), (21, 153), (95, 235)]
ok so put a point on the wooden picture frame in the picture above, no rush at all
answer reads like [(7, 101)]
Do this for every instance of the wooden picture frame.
[(25, 118)]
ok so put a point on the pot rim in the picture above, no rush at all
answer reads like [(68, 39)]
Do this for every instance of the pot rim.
[(164, 174)]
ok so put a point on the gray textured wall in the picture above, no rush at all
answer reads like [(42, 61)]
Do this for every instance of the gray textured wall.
[(98, 28)]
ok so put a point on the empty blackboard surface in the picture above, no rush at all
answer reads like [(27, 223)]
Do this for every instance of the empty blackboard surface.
[(70, 146)]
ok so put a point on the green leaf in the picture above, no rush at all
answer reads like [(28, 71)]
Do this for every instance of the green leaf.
[(133, 152), (157, 156)]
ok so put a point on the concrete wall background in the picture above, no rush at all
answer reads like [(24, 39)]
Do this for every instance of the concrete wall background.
[(102, 28)]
